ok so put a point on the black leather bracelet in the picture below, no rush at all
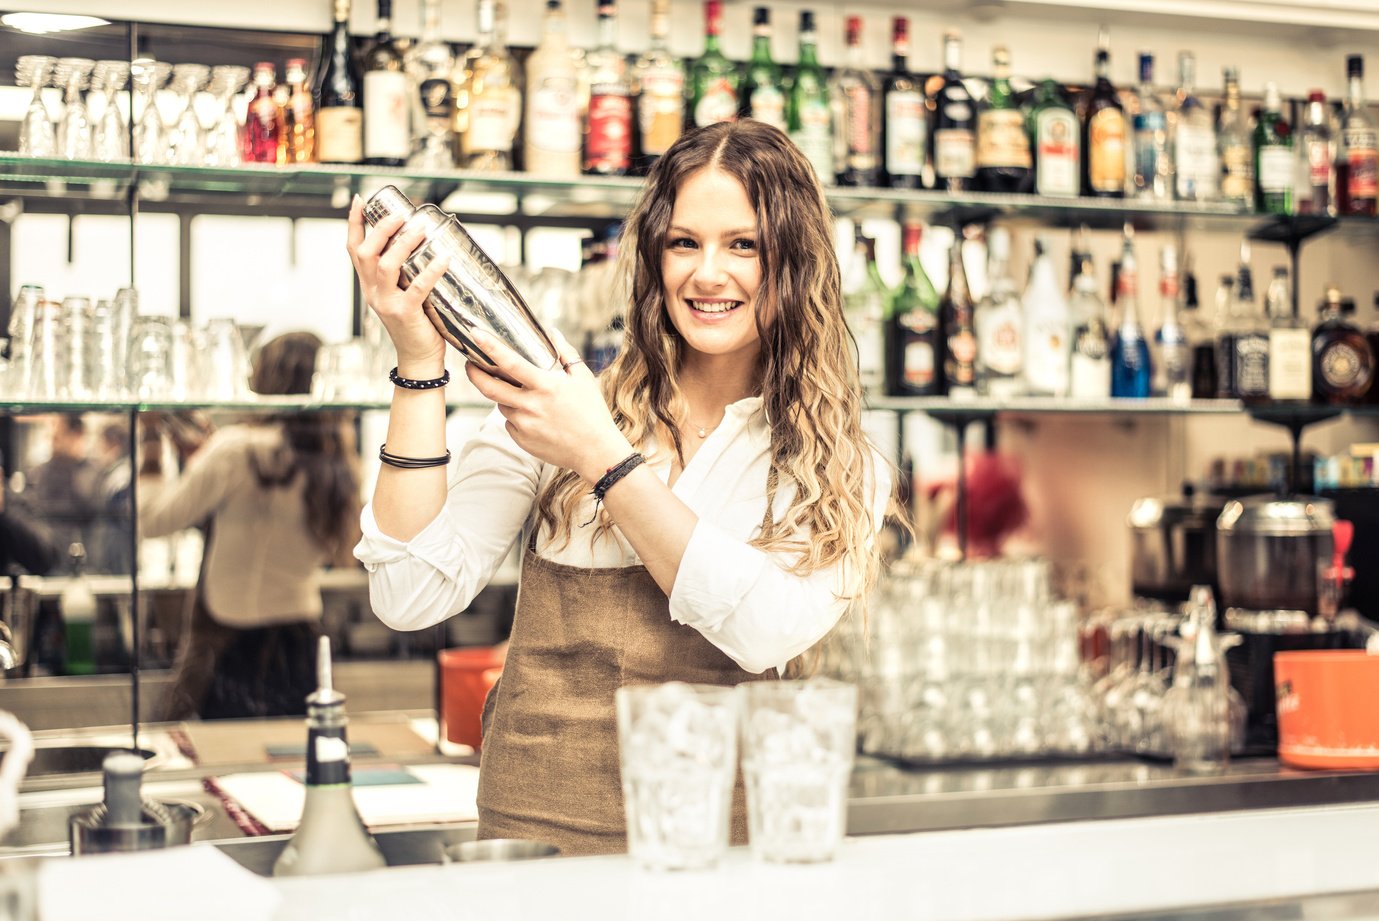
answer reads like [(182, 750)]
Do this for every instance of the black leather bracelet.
[(411, 463), (406, 383), (610, 477)]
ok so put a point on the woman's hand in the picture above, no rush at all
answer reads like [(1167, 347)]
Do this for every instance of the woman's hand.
[(557, 416), (378, 256)]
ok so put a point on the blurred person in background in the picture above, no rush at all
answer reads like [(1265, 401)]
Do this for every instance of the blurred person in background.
[(110, 549), (278, 496), (60, 492)]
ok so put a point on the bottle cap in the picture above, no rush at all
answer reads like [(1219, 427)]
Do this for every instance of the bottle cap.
[(761, 16), (1316, 96), (806, 21), (1355, 65)]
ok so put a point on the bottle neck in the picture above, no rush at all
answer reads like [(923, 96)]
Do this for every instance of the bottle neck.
[(486, 24), (342, 13), (1355, 95), (1187, 77), (854, 53), (809, 50), (952, 56), (1103, 68), (761, 45), (608, 31), (660, 27), (900, 55), (430, 21), (327, 755)]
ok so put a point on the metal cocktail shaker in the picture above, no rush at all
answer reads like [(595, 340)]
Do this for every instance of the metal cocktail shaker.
[(474, 292)]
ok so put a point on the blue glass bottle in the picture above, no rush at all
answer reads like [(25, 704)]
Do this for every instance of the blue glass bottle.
[(1131, 370)]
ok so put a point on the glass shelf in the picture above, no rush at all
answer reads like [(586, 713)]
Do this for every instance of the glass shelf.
[(981, 407), (591, 196), (263, 404)]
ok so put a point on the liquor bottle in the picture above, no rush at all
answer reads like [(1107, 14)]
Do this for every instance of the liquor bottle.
[(1130, 366), (1362, 158), (1152, 175), (387, 134), (915, 328), (1048, 328), (429, 66), (488, 92), (1225, 338), (1342, 361), (904, 121), (1057, 143), (762, 98), (1201, 339), (262, 122), (552, 140), (1173, 364), (608, 128), (1290, 342), (999, 324), (857, 128), (331, 838), (959, 339), (1273, 150), (1090, 360), (1103, 133), (1196, 168), (659, 81), (339, 102), (297, 142), (1249, 336), (1235, 148), (1003, 158), (808, 113), (714, 80), (955, 124), (864, 307), (1313, 193)]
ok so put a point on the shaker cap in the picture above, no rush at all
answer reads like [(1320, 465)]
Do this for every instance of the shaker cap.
[(386, 201)]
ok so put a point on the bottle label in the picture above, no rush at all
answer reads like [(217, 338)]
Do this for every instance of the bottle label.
[(962, 356), (661, 109), (1237, 173), (340, 135), (327, 757), (1001, 349), (906, 133), (1290, 364), (955, 154), (861, 148), (609, 148), (438, 102), (553, 116), (1194, 150), (1090, 377), (1106, 156), (1275, 169), (767, 105), (1001, 139), (1057, 162), (493, 117), (1046, 354), (1319, 164), (1251, 365), (815, 137), (1364, 163), (387, 135), (718, 104), (918, 364), (1341, 366)]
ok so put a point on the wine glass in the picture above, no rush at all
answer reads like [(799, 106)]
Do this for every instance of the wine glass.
[(222, 139), (36, 135), (74, 127), (150, 136), (110, 141), (186, 144)]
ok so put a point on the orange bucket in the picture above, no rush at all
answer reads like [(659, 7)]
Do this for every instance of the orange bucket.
[(1328, 708), (467, 675)]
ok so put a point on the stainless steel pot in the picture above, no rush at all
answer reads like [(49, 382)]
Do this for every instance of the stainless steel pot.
[(1267, 549), (1173, 545)]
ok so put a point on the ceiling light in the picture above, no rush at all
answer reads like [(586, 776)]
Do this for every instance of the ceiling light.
[(43, 23)]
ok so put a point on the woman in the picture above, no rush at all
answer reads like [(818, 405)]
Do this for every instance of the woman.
[(732, 548), (280, 497)]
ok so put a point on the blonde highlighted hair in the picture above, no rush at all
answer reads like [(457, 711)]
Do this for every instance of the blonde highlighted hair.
[(807, 371)]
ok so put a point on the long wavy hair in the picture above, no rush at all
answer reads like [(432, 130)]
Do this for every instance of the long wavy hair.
[(316, 445), (809, 384)]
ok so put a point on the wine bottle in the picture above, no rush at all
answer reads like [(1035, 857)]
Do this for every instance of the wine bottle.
[(608, 137), (1057, 143), (808, 113), (959, 338), (955, 124), (904, 119), (387, 135), (857, 129), (659, 82), (493, 105), (1003, 157), (762, 98), (331, 837), (1103, 133), (714, 80), (913, 356), (339, 103)]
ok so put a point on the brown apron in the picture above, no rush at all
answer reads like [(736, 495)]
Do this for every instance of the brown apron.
[(549, 765)]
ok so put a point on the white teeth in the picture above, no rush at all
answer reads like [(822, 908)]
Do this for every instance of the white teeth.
[(721, 307)]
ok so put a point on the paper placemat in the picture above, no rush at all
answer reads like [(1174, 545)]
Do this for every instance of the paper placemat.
[(446, 793)]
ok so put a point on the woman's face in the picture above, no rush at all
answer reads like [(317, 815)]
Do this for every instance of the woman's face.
[(711, 266)]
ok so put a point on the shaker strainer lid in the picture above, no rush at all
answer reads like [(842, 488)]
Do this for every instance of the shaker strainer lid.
[(1268, 514)]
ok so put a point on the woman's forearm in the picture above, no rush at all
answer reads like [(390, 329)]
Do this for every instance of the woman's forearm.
[(655, 521), (406, 501)]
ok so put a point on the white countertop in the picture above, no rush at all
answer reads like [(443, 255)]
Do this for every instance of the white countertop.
[(1028, 872)]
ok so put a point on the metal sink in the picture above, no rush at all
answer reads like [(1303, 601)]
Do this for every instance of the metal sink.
[(401, 847)]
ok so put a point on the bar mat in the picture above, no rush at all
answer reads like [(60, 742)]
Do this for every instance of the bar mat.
[(235, 742)]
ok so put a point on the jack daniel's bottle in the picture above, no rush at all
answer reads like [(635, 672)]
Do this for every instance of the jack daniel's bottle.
[(331, 838)]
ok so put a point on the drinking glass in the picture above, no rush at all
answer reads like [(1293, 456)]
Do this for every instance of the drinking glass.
[(36, 135), (105, 372), (150, 358), (677, 744), (75, 348), (110, 141), (150, 136), (186, 145), (798, 742), (23, 322), (74, 127), (45, 375), (226, 367), (222, 139)]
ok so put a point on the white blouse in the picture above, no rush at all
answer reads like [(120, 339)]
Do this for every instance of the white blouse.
[(742, 599)]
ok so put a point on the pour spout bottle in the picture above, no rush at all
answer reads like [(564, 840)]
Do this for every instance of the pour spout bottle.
[(1198, 707), (331, 837)]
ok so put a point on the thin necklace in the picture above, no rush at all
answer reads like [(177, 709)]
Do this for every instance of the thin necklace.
[(703, 430)]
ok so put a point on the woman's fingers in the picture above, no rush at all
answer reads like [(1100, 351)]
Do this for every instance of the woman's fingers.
[(376, 237), (426, 279), (507, 360), (390, 263), (355, 234), (495, 388), (570, 359)]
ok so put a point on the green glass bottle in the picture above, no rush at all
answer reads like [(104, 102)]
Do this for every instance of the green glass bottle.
[(913, 352), (762, 96), (1056, 141), (1273, 149), (714, 80), (807, 113)]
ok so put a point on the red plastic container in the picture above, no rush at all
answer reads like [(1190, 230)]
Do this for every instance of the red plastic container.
[(1328, 708), (467, 675)]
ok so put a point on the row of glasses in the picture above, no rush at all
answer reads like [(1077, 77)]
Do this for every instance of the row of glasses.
[(74, 136)]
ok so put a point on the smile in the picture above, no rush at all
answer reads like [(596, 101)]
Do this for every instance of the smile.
[(714, 306)]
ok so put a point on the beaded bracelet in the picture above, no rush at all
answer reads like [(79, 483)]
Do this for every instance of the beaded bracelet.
[(611, 476), (411, 463), (407, 383)]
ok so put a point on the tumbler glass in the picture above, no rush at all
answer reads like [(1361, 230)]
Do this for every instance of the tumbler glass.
[(678, 748), (798, 742), (150, 358)]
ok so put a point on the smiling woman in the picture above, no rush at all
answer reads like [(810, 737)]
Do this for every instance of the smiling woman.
[(734, 502)]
